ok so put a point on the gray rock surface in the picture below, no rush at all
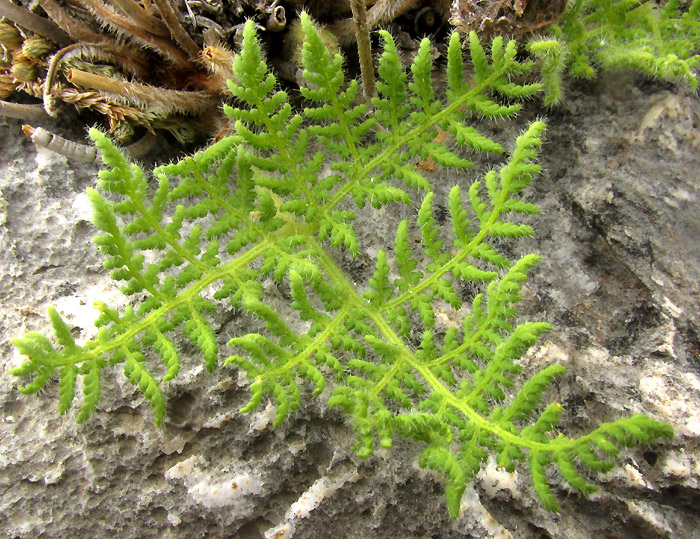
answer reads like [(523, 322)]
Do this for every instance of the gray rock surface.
[(620, 237)]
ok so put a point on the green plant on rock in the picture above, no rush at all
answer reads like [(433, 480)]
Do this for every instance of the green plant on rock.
[(277, 199), (661, 40)]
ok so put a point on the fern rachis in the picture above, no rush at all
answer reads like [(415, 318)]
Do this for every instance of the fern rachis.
[(257, 204)]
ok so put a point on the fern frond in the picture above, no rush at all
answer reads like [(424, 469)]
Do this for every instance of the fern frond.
[(659, 40), (261, 207), (529, 396)]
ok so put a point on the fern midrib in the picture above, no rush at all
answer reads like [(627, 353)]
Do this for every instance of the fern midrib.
[(486, 380), (212, 275), (137, 199), (216, 197), (377, 316), (344, 125), (434, 277), (134, 271), (121, 241), (169, 239), (313, 347)]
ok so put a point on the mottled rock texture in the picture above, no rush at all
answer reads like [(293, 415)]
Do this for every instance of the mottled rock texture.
[(620, 236)]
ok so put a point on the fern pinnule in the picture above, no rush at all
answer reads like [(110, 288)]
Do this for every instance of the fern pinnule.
[(529, 396)]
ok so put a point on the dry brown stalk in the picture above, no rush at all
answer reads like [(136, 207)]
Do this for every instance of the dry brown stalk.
[(51, 72), (382, 12), (385, 11), (146, 18), (32, 22), (123, 26), (101, 52), (364, 47), (114, 112), (158, 100), (172, 21), (77, 29)]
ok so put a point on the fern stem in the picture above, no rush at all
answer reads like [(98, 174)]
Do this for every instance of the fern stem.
[(364, 48), (347, 134), (435, 276), (222, 202), (386, 379), (495, 214), (458, 404), (136, 273), (169, 238)]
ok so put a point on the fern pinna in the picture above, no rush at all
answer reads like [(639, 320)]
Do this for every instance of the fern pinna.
[(265, 202)]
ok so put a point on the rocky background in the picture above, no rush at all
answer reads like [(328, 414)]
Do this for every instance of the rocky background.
[(620, 237)]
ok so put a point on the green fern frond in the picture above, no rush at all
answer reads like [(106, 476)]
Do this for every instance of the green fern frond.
[(278, 200), (658, 39)]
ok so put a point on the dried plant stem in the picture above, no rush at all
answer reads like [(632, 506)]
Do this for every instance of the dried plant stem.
[(172, 21), (148, 7), (84, 153), (160, 100), (34, 23), (28, 113), (145, 18), (98, 51), (143, 146), (364, 47), (122, 24), (385, 11), (114, 112), (51, 72), (76, 28)]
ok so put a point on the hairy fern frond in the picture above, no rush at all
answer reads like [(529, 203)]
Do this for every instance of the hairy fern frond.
[(659, 39), (277, 200)]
